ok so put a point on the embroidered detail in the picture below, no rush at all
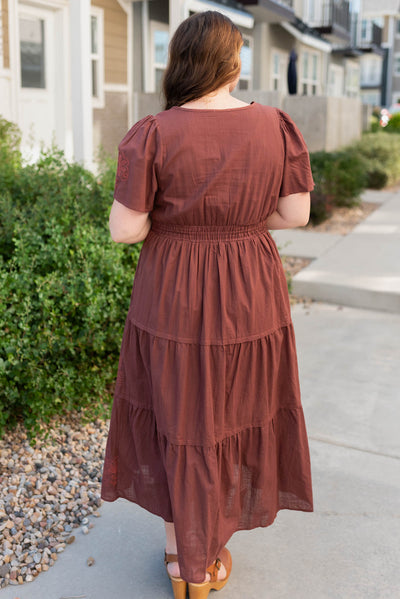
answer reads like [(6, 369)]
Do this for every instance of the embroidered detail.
[(123, 167)]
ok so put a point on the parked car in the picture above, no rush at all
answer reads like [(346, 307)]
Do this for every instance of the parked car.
[(387, 113)]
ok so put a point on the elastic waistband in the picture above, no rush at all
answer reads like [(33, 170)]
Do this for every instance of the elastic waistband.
[(209, 232)]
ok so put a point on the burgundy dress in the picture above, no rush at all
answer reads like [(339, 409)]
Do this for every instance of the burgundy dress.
[(207, 428)]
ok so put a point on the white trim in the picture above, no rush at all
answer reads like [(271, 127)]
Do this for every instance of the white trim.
[(13, 39), (240, 18), (120, 88), (307, 40), (129, 65), (125, 6), (146, 66), (81, 93), (55, 4), (1, 38), (98, 101)]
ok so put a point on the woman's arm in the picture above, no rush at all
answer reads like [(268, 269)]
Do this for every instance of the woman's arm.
[(128, 226), (292, 211)]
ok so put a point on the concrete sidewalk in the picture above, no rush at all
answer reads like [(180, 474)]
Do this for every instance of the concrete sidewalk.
[(361, 269), (347, 549)]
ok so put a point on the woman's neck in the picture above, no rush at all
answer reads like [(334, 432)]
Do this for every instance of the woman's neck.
[(219, 99)]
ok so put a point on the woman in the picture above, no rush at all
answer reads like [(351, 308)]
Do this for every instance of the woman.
[(207, 427)]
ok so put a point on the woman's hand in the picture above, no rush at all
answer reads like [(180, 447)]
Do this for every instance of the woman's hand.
[(128, 226), (292, 211)]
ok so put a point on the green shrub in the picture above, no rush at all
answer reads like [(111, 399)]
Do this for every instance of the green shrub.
[(339, 178), (382, 153), (10, 156), (377, 176), (393, 125), (375, 123), (64, 292)]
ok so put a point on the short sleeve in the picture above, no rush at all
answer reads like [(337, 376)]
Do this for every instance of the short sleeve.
[(297, 176), (138, 160)]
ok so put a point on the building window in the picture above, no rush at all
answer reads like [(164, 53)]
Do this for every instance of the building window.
[(32, 50), (159, 33), (371, 71), (315, 12), (275, 71), (309, 74), (97, 56), (246, 57), (352, 81), (335, 87), (397, 64), (365, 30), (279, 71)]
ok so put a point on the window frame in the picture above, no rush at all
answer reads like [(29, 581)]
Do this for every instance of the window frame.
[(396, 64), (281, 77), (337, 72), (99, 100), (32, 88), (349, 90), (154, 65), (248, 78), (308, 81)]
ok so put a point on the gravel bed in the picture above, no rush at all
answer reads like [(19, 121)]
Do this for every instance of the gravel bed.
[(47, 491)]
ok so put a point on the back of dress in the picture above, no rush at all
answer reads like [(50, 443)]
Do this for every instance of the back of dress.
[(211, 178), (207, 428), (212, 167)]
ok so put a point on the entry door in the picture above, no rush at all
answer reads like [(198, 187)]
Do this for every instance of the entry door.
[(37, 104)]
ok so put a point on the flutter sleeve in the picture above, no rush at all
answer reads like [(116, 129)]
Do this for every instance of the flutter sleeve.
[(297, 176), (139, 156)]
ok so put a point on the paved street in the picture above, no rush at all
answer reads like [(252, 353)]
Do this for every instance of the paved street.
[(361, 269)]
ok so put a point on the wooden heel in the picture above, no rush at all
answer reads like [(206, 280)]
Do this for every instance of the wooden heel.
[(202, 590), (199, 591), (179, 588)]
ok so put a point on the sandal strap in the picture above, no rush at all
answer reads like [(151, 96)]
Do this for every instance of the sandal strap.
[(170, 557), (213, 570)]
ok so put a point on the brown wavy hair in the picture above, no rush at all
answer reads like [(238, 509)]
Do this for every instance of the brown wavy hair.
[(204, 54)]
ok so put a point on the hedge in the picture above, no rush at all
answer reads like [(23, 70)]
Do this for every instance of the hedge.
[(64, 290)]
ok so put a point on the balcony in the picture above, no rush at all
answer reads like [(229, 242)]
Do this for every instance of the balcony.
[(372, 36), (333, 21), (271, 11)]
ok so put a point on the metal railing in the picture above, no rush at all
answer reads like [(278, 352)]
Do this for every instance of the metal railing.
[(334, 12), (375, 36), (361, 37)]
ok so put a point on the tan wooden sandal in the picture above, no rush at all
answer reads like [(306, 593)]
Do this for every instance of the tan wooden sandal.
[(201, 591), (179, 585)]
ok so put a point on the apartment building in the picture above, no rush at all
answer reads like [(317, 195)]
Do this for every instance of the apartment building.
[(80, 72), (65, 73), (386, 13)]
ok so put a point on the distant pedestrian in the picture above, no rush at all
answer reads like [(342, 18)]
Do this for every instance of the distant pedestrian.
[(207, 428)]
